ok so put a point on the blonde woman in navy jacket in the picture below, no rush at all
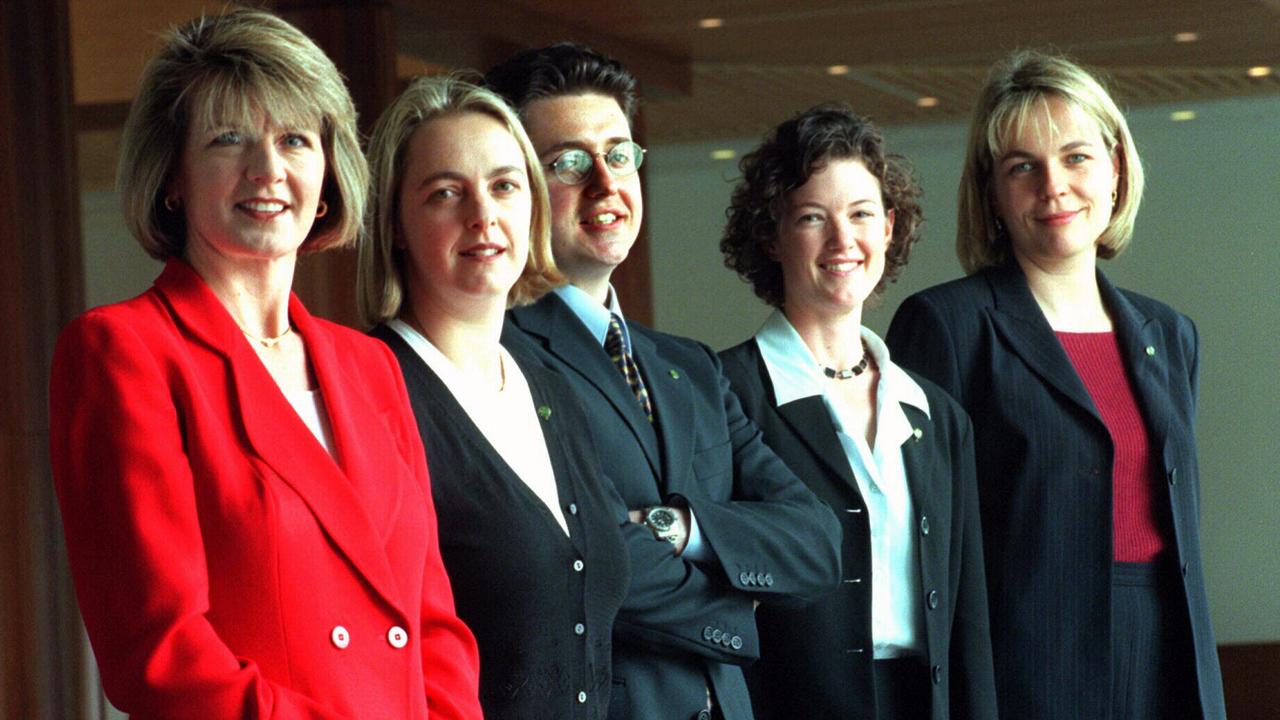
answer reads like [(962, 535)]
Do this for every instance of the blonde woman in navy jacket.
[(1083, 402), (821, 220)]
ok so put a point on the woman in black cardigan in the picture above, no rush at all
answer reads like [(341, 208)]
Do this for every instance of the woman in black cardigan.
[(528, 527), (1083, 402), (821, 220)]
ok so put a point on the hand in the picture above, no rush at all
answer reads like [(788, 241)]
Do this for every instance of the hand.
[(678, 532)]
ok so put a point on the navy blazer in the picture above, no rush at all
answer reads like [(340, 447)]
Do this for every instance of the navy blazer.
[(686, 623), (1044, 477), (818, 657)]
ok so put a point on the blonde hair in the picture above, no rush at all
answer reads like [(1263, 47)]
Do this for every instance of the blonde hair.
[(232, 69), (381, 280), (1017, 90)]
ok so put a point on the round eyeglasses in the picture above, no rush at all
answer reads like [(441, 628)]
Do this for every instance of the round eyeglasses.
[(573, 167)]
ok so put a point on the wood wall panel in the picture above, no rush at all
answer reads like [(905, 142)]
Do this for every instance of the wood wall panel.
[(41, 287), (1251, 680)]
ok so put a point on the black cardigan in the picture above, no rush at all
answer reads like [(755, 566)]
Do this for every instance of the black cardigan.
[(543, 626)]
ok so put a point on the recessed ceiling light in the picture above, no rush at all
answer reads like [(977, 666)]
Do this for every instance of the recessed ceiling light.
[(837, 69), (1259, 71), (709, 23), (927, 102), (1182, 115), (723, 154), (1186, 37)]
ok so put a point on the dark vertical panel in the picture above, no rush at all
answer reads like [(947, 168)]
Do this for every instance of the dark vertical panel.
[(41, 287), (359, 36)]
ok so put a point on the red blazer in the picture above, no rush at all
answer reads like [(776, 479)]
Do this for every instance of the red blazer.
[(226, 566)]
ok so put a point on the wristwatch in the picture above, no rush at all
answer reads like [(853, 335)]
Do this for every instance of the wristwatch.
[(664, 522)]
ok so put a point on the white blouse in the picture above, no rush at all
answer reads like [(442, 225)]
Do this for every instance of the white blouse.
[(897, 615)]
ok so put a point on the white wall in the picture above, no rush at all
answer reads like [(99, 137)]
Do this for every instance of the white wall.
[(1207, 242)]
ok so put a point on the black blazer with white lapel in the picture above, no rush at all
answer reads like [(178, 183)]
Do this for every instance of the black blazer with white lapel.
[(1044, 477), (818, 657), (686, 621)]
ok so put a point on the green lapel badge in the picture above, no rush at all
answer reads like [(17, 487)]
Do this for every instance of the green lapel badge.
[(918, 433), (544, 412), (675, 374)]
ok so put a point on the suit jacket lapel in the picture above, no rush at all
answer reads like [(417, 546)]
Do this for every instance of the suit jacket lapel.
[(278, 435), (929, 489), (1024, 328), (1148, 370), (811, 422), (563, 335), (672, 399)]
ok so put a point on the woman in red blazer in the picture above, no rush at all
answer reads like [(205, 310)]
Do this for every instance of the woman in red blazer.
[(244, 494)]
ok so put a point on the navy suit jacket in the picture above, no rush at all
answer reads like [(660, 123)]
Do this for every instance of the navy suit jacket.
[(818, 657), (687, 623), (1044, 477)]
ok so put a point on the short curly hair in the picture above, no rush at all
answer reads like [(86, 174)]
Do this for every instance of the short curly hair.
[(784, 161)]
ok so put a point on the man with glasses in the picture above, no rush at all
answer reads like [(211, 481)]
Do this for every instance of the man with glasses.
[(718, 523)]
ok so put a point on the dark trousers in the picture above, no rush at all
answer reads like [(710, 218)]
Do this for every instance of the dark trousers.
[(1152, 666), (902, 689)]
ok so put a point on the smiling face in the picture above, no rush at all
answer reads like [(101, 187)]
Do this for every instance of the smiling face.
[(249, 193), (832, 239), (1053, 186), (595, 223), (464, 213)]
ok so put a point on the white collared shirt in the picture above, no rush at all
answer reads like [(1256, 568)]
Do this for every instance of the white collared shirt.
[(897, 619), (507, 418)]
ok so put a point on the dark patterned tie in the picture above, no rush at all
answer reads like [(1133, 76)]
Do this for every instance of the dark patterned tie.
[(616, 347)]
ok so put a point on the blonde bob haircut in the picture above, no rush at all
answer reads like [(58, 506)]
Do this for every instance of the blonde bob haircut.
[(1016, 95), (382, 278), (233, 70)]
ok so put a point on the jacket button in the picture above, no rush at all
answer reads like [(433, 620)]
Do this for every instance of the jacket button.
[(716, 636), (736, 642), (579, 629), (707, 632), (937, 674), (582, 696), (746, 578), (573, 508), (924, 524), (933, 599), (768, 580), (397, 637), (702, 715), (340, 637), (1173, 476), (577, 566)]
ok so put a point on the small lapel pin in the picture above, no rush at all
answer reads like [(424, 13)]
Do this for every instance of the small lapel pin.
[(1151, 350), (675, 374), (544, 412), (918, 433)]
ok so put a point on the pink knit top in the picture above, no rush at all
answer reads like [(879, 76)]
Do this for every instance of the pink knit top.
[(1137, 514)]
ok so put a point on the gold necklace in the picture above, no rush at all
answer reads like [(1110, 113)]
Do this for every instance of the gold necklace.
[(266, 342)]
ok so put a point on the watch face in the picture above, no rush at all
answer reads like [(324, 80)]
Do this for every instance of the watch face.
[(661, 518)]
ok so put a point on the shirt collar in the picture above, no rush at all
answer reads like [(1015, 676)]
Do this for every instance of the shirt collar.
[(592, 314), (795, 373)]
